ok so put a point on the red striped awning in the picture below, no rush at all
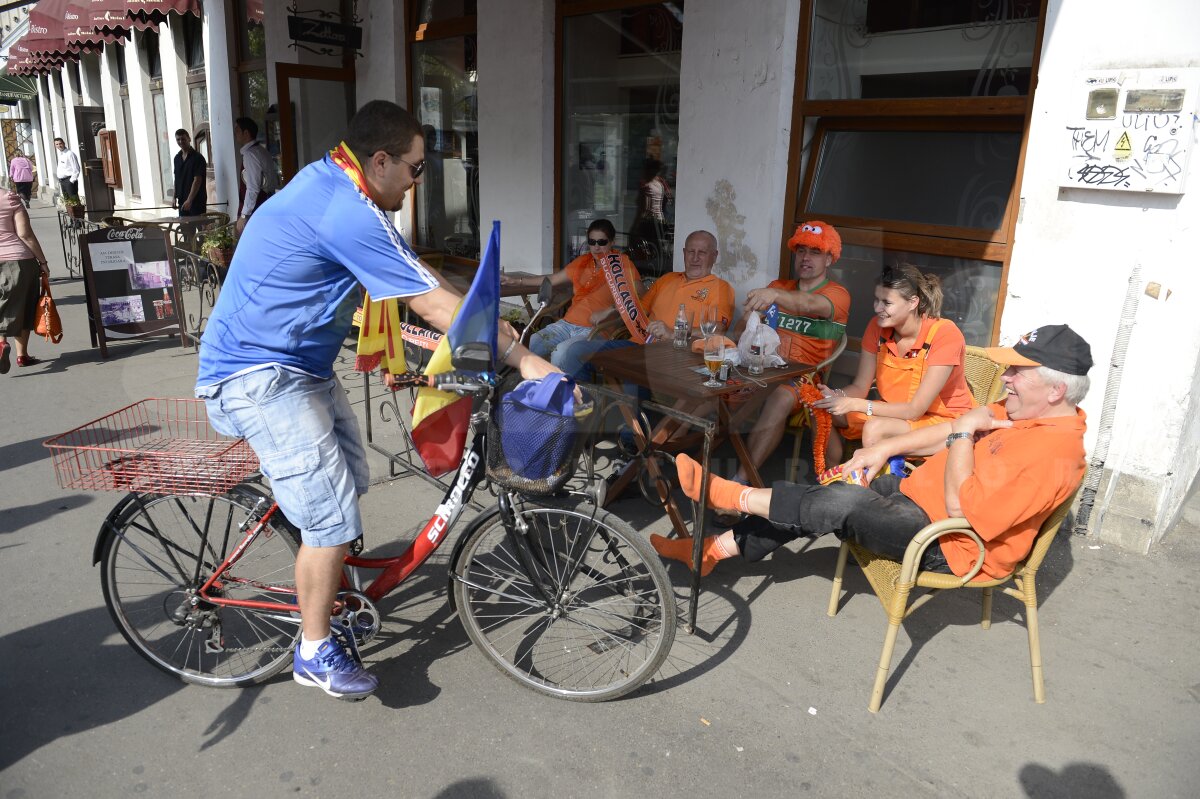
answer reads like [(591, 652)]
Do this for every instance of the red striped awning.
[(45, 38)]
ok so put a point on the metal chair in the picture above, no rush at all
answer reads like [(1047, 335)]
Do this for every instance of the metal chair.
[(893, 582)]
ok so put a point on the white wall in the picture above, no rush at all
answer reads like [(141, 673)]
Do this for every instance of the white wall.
[(219, 82), (516, 130), (382, 74), (735, 110), (1074, 249)]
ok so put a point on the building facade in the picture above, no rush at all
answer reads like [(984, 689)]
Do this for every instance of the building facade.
[(1035, 154)]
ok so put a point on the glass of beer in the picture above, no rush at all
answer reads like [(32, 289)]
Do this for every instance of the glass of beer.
[(714, 355)]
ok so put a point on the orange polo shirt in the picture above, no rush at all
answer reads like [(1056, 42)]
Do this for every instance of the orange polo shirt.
[(1022, 473), (673, 289), (591, 289)]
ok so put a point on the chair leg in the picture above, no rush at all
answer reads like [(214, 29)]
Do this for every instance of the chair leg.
[(1035, 641), (794, 464), (836, 594), (985, 619), (885, 664)]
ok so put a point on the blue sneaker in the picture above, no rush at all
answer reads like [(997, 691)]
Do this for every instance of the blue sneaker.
[(334, 671)]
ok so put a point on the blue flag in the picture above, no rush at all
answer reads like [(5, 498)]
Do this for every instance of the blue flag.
[(479, 314)]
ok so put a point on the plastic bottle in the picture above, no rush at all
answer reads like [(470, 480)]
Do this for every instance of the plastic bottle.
[(682, 329), (168, 306), (756, 351)]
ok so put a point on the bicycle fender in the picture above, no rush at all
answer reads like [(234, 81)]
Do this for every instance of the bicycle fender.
[(112, 516)]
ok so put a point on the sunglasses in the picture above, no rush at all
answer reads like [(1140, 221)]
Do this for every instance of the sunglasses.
[(418, 168), (597, 242)]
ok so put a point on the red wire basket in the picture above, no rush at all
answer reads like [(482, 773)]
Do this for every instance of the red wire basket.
[(156, 446)]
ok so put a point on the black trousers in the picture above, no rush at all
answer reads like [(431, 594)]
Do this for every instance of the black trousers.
[(25, 189), (70, 188), (878, 518)]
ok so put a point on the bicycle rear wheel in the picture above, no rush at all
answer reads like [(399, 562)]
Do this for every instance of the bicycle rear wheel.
[(610, 618), (161, 549)]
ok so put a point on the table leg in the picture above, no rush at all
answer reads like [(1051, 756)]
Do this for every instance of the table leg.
[(698, 533)]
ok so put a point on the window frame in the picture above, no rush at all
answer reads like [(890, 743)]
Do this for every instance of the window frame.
[(948, 113)]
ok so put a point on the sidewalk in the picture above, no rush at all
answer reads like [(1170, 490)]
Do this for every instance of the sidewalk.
[(769, 700)]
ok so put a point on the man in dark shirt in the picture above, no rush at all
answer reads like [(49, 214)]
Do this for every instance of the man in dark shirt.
[(191, 197)]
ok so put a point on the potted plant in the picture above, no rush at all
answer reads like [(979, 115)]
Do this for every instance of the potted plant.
[(217, 246), (74, 207)]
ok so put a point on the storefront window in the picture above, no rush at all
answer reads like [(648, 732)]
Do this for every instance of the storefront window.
[(883, 48), (444, 96), (443, 10), (621, 129), (970, 287)]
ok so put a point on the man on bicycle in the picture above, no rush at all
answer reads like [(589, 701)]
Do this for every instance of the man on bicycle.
[(266, 360)]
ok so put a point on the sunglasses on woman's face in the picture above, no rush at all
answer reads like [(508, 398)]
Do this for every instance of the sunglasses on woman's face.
[(597, 242)]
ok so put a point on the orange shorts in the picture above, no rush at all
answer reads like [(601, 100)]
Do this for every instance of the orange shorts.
[(855, 421)]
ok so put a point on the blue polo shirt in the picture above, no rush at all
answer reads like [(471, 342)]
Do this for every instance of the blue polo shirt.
[(293, 284)]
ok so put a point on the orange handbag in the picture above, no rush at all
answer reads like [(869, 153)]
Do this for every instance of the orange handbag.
[(48, 323)]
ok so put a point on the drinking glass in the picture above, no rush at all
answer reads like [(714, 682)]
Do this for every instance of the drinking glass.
[(708, 320), (714, 355)]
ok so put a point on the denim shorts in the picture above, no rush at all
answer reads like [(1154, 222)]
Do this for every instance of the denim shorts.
[(306, 437)]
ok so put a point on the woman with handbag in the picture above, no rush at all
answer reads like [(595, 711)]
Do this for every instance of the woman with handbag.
[(22, 266)]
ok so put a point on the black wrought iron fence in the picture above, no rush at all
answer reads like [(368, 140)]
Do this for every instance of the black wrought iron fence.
[(199, 286), (69, 228)]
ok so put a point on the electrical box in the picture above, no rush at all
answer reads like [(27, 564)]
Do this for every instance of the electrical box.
[(1132, 130)]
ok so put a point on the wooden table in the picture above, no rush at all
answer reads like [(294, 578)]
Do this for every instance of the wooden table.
[(672, 373)]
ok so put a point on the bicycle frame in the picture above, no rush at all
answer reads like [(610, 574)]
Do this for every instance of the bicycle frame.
[(394, 570)]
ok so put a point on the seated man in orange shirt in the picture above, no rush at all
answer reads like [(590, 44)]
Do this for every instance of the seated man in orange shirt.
[(1005, 467), (813, 313), (693, 288)]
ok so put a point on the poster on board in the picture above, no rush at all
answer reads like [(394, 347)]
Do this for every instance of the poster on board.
[(131, 283)]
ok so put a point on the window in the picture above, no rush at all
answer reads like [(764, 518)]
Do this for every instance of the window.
[(444, 86), (148, 41), (908, 138), (192, 32), (620, 129), (252, 100), (165, 139)]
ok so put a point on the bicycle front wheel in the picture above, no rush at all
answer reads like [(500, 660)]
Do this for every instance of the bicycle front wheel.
[(593, 621), (158, 553)]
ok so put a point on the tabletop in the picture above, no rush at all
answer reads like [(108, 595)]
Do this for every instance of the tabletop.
[(662, 368)]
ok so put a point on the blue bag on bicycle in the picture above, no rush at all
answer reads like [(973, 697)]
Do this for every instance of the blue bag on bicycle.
[(538, 426)]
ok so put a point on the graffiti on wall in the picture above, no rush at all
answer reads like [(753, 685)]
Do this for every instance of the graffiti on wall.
[(1135, 133)]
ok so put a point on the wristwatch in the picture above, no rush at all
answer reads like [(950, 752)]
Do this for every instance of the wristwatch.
[(950, 439)]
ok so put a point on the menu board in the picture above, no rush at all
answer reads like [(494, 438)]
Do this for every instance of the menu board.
[(132, 285)]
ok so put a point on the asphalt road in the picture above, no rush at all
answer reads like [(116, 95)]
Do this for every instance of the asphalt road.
[(768, 700)]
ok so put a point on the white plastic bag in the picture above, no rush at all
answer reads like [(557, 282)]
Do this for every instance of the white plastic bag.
[(770, 339)]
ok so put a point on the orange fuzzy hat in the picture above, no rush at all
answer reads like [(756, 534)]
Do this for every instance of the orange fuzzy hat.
[(817, 234)]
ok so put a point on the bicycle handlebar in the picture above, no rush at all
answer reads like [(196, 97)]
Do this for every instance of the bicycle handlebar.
[(454, 381)]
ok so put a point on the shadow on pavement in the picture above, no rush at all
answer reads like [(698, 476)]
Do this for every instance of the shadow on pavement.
[(1076, 779)]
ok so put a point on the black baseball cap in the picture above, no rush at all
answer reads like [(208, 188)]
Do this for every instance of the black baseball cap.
[(1056, 347)]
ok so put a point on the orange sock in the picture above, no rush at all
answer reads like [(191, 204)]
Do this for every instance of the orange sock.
[(722, 494), (680, 549)]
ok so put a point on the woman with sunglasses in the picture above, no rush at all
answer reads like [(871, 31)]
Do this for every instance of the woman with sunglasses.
[(913, 357), (592, 299)]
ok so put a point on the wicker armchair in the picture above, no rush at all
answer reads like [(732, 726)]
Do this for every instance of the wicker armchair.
[(983, 376), (893, 583)]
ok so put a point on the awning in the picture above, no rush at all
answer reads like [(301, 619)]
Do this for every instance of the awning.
[(78, 31), (45, 39), (111, 19), (157, 10), (17, 87)]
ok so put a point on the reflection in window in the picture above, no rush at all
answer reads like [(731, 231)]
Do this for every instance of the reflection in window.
[(254, 96), (621, 129), (444, 10), (444, 94), (252, 37), (971, 287), (165, 137), (953, 178), (881, 48)]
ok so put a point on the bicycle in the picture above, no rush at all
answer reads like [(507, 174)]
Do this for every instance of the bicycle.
[(198, 560)]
